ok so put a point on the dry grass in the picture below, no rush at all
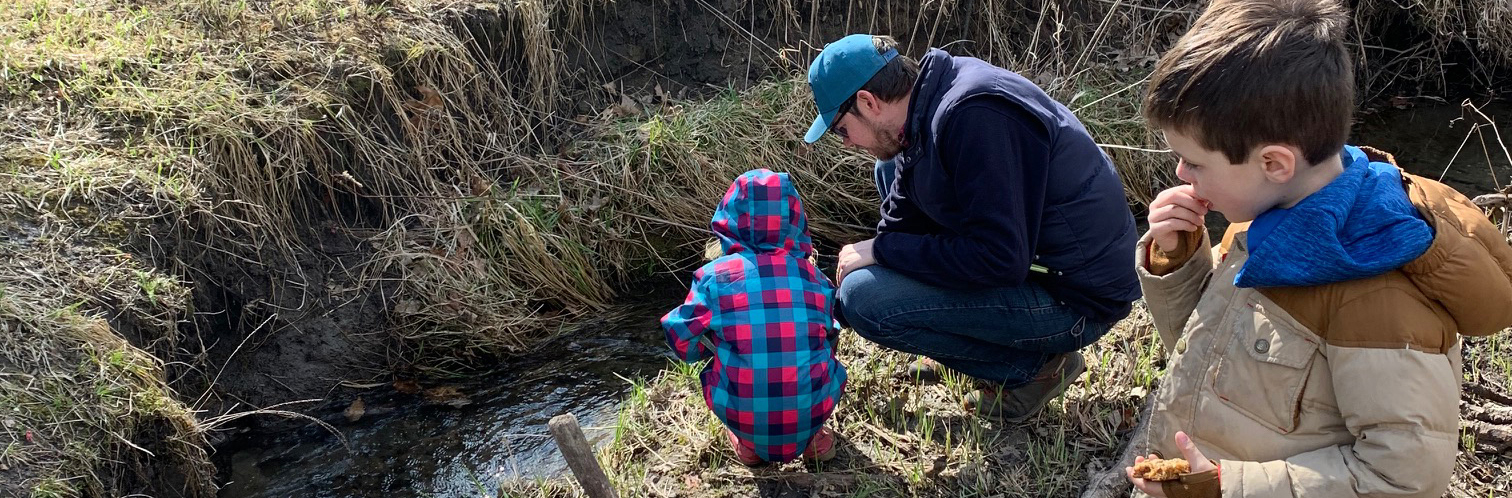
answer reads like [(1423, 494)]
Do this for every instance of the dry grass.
[(84, 325), (398, 120), (208, 133), (240, 124), (898, 438), (87, 413), (1478, 32), (263, 117)]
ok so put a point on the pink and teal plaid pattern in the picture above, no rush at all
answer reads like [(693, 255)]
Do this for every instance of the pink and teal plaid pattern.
[(765, 312)]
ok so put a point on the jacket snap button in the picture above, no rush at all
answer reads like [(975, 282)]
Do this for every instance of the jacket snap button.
[(1262, 346), (1181, 345)]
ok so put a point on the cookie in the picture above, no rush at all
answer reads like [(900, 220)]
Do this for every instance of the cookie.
[(1161, 470)]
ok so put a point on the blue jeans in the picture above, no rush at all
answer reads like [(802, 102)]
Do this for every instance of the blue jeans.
[(1003, 334)]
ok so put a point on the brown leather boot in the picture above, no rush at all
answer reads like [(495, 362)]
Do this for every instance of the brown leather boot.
[(1018, 404)]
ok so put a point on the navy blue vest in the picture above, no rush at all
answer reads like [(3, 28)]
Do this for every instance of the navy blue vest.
[(1086, 232)]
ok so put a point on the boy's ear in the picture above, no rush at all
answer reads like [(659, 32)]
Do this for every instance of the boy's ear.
[(1279, 162)]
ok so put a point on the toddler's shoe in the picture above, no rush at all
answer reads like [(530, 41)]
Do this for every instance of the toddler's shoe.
[(822, 447), (743, 454)]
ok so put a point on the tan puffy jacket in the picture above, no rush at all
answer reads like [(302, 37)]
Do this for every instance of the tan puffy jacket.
[(1346, 389)]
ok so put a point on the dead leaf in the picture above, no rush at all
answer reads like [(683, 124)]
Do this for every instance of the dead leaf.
[(480, 186), (446, 395), (627, 106), (429, 97), (355, 411), (407, 386), (691, 481), (594, 203), (407, 307), (465, 240), (420, 110)]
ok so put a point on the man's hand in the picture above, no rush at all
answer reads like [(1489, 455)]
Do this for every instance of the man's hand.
[(1175, 210), (1189, 451), (854, 257)]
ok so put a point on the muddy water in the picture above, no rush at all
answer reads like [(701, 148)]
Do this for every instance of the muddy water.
[(407, 445), (458, 438)]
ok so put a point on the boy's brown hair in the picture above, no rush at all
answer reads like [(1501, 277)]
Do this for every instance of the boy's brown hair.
[(1252, 72)]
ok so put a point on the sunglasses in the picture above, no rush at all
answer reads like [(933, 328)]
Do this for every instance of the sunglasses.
[(845, 108)]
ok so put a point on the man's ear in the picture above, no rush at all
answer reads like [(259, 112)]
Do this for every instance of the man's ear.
[(1279, 162), (867, 104)]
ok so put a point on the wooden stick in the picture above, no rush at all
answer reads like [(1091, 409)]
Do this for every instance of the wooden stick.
[(579, 455)]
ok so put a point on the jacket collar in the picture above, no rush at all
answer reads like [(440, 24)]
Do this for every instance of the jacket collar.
[(934, 69)]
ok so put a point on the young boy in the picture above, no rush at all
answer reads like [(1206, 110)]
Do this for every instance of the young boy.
[(1315, 352), (764, 310)]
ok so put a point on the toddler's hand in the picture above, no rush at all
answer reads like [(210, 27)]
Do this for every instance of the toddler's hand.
[(1175, 210)]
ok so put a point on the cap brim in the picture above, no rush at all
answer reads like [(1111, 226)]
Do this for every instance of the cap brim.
[(821, 125)]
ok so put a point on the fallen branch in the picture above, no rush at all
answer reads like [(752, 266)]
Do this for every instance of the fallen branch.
[(1488, 393), (1490, 438)]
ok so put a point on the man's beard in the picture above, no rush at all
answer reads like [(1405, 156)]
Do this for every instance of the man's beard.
[(889, 144)]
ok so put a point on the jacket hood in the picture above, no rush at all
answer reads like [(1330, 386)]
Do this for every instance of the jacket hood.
[(1468, 267), (762, 213)]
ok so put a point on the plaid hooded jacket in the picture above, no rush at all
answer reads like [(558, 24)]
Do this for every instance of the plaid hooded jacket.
[(763, 312)]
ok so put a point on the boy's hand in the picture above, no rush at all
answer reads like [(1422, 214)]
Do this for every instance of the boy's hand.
[(1189, 451), (1175, 210), (854, 257)]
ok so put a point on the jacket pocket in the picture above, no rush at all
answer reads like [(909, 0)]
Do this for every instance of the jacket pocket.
[(1263, 373)]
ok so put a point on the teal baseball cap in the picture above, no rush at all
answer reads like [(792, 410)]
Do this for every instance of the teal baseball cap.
[(840, 70)]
